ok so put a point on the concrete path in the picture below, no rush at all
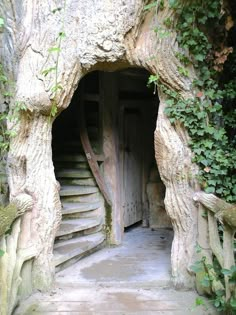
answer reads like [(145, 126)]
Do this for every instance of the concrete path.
[(130, 279)]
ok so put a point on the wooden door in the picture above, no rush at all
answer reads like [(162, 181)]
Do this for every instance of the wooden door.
[(132, 166)]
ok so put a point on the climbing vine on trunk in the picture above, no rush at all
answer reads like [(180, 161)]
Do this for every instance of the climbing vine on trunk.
[(209, 117), (54, 54)]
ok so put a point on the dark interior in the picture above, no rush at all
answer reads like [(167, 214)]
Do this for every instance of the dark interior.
[(134, 108)]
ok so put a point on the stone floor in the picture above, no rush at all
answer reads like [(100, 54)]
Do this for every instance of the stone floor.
[(133, 278)]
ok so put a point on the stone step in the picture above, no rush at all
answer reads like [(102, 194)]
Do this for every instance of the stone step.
[(75, 181), (93, 132), (95, 197), (76, 207), (72, 145), (64, 150), (72, 250), (73, 173), (70, 165), (77, 190), (93, 214), (90, 214), (68, 227), (90, 129), (70, 158), (91, 119)]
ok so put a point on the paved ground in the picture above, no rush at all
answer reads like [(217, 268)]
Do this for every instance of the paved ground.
[(130, 279)]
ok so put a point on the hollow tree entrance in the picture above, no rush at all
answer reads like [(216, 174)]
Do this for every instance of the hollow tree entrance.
[(103, 151)]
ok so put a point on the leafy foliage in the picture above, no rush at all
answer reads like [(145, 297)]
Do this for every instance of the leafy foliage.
[(154, 4), (6, 114), (210, 116), (150, 6), (1, 22), (219, 299)]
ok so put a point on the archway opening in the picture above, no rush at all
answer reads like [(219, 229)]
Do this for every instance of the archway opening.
[(107, 135)]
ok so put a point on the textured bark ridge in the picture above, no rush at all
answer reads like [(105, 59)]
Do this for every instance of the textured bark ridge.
[(15, 209), (174, 162), (224, 212), (30, 170), (99, 35)]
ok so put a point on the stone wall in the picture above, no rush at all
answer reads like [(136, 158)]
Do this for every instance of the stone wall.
[(158, 217)]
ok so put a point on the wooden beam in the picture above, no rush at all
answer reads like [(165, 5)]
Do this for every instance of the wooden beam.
[(91, 157)]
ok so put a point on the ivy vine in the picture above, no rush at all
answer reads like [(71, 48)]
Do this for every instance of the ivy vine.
[(203, 34)]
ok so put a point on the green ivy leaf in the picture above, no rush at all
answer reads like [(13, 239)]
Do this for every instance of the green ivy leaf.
[(62, 35), (199, 301), (205, 162), (54, 49), (153, 79), (198, 248), (197, 267), (233, 303), (206, 282), (150, 6), (56, 88), (173, 4), (210, 190), (1, 252), (226, 272), (53, 110), (199, 57), (217, 303), (1, 22), (212, 182), (47, 71)]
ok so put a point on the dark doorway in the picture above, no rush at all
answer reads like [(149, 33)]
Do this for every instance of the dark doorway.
[(119, 115), (138, 108)]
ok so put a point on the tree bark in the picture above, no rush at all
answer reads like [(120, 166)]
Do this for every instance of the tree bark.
[(31, 171), (174, 163), (224, 212)]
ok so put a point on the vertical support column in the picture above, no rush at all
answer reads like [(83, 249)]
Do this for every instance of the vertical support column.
[(177, 172), (110, 112)]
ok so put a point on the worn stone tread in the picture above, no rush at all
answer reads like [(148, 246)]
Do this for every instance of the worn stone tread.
[(74, 173), (77, 190), (78, 181), (70, 158), (66, 250), (75, 207), (76, 225), (95, 197), (69, 164), (99, 300)]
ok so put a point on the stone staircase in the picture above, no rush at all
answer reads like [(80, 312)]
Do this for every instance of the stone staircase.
[(83, 212)]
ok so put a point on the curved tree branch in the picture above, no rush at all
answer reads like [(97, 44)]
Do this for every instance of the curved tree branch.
[(19, 205), (224, 212)]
